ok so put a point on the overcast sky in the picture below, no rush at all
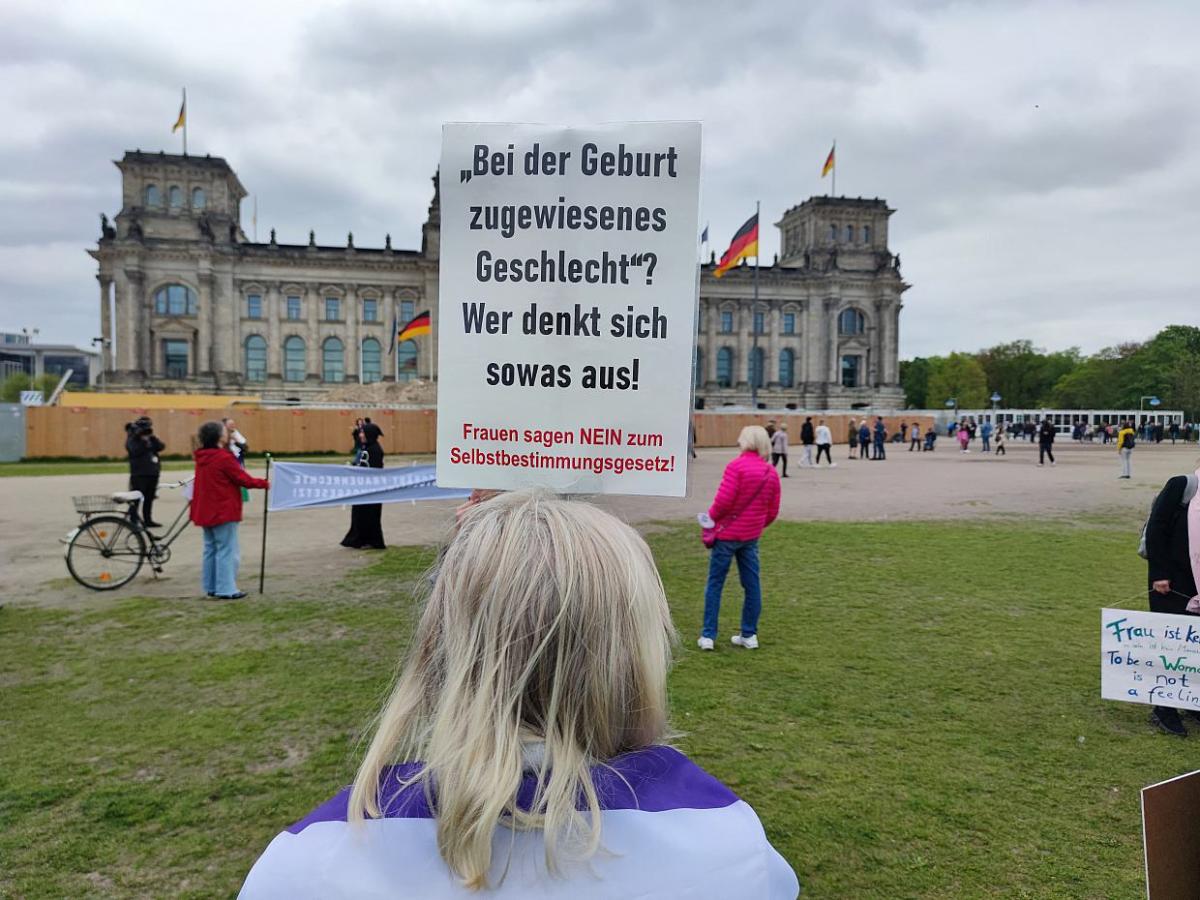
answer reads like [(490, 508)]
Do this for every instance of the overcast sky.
[(1042, 158)]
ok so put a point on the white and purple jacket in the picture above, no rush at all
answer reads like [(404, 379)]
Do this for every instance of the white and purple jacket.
[(668, 829)]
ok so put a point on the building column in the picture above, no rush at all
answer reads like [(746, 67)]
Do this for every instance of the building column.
[(831, 353), (711, 324), (275, 312), (206, 330), (741, 362), (312, 337), (774, 322), (141, 342), (227, 307), (893, 347), (124, 324), (389, 309), (106, 335), (353, 333)]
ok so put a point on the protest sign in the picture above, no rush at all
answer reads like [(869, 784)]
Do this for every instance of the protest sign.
[(567, 306), (1170, 835), (303, 485), (1150, 658)]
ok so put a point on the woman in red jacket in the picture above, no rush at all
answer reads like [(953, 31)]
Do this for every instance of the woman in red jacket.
[(217, 508), (746, 503)]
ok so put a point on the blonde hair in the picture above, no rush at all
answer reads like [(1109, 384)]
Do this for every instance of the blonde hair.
[(547, 623), (754, 437)]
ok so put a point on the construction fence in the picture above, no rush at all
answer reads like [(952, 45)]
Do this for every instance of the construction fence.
[(98, 433)]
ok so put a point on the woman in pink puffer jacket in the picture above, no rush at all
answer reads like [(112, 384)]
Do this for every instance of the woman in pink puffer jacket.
[(746, 503)]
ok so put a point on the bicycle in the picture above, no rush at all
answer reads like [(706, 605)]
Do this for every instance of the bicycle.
[(108, 550)]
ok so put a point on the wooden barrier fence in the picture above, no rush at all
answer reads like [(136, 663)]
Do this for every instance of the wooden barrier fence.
[(95, 433)]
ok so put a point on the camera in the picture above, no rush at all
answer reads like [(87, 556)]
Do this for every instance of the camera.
[(141, 427)]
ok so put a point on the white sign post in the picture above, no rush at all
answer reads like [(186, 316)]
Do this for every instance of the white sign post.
[(566, 307), (1150, 658)]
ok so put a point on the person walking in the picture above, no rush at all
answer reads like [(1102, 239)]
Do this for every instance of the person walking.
[(1000, 451), (366, 519), (747, 501), (964, 439), (808, 437), (524, 750), (985, 432), (915, 437), (217, 508), (824, 443), (880, 438), (771, 428), (852, 438), (864, 440), (779, 448), (1173, 567), (1045, 436), (1126, 441), (143, 448)]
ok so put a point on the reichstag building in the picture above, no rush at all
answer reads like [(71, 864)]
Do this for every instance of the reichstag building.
[(188, 303)]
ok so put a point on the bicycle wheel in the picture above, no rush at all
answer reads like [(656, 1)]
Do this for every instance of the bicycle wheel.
[(105, 553)]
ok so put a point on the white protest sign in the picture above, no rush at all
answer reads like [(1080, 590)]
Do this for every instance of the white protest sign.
[(31, 398), (566, 307), (1150, 658)]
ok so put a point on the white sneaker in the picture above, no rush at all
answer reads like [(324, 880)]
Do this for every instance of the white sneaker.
[(705, 643), (749, 643)]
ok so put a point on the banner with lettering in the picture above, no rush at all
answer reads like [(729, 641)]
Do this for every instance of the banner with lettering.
[(1150, 658), (304, 485)]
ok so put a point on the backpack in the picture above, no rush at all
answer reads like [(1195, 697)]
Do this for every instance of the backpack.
[(1188, 493), (1129, 442)]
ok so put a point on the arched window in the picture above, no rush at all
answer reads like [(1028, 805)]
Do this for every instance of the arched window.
[(833, 232), (699, 373), (755, 369), (294, 364), (849, 234), (851, 321), (153, 197), (175, 300), (372, 361), (866, 234), (256, 358), (406, 361), (725, 367), (175, 197), (333, 367), (787, 368), (198, 199)]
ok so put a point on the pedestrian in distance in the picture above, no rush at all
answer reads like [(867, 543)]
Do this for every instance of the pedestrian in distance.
[(1000, 451), (930, 439), (217, 509), (964, 439), (238, 445), (852, 438), (864, 440), (143, 448), (1125, 444), (880, 436), (779, 448), (985, 432), (366, 519), (902, 434), (1173, 567), (771, 428), (1046, 443), (915, 437), (824, 443), (523, 751), (808, 437), (747, 501)]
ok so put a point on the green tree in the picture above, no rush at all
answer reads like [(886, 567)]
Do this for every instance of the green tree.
[(914, 378), (1023, 374), (11, 387), (958, 376)]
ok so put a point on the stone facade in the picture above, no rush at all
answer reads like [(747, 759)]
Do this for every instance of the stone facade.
[(828, 315), (187, 303)]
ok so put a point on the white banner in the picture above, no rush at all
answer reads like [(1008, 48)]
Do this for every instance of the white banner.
[(1150, 658), (301, 485), (567, 305)]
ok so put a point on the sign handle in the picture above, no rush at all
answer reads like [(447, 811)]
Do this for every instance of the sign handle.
[(262, 561)]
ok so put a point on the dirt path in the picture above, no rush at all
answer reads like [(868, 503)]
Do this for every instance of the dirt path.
[(303, 546)]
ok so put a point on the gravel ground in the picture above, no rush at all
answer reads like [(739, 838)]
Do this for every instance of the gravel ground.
[(303, 550)]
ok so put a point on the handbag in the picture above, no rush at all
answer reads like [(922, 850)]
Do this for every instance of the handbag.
[(708, 536)]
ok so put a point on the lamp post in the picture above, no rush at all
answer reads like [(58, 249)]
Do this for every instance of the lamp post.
[(1154, 401), (953, 402)]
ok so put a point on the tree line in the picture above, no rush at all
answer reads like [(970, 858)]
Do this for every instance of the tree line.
[(1167, 366)]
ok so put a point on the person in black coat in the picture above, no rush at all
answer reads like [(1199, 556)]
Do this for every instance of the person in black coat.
[(143, 448), (1046, 443), (366, 520), (1169, 572)]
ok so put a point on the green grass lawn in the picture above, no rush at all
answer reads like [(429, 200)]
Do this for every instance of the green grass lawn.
[(922, 720)]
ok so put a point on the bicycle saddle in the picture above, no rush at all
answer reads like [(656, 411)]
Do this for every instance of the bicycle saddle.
[(127, 496)]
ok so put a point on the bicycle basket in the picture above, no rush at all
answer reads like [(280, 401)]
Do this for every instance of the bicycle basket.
[(95, 503)]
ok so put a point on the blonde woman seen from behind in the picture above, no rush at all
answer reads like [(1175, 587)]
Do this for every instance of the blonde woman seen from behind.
[(522, 753)]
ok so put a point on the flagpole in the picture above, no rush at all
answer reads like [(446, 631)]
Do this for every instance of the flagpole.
[(754, 369), (185, 118), (834, 173)]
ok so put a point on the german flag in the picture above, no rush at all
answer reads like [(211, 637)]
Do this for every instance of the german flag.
[(417, 326), (744, 244), (829, 161)]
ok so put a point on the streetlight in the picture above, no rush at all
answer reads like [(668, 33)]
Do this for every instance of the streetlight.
[(953, 401), (1154, 401), (995, 398)]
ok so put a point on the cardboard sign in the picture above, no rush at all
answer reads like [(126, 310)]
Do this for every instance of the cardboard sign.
[(567, 306), (1171, 835), (1150, 658)]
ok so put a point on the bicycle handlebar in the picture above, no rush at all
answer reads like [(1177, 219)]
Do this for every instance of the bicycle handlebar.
[(177, 484)]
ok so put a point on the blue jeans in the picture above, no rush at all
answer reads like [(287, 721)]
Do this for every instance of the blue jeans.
[(221, 558), (987, 443), (723, 553)]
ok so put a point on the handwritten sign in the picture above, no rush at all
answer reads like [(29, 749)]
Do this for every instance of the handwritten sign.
[(567, 304), (1150, 658)]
